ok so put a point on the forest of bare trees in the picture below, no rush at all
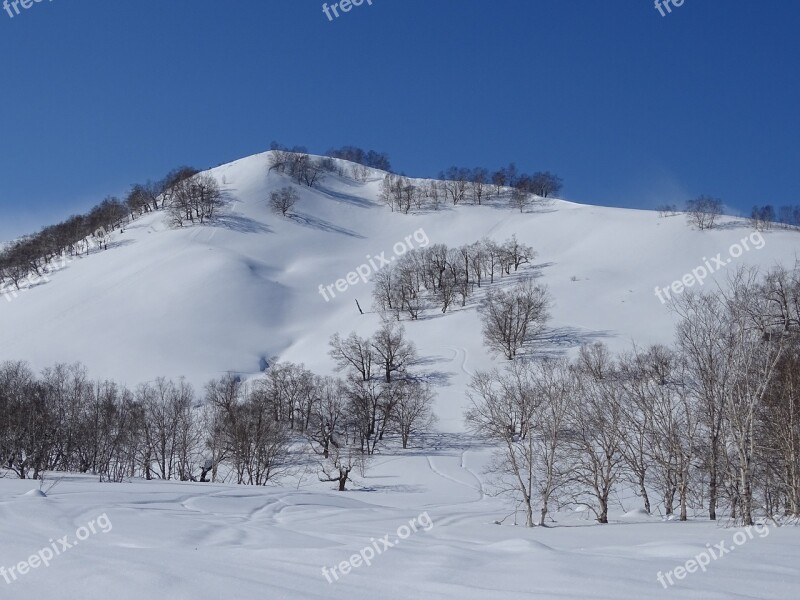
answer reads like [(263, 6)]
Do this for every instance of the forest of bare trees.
[(438, 276), (243, 432), (458, 185), (36, 255), (763, 218), (303, 168), (711, 424), (186, 195), (368, 158), (194, 200)]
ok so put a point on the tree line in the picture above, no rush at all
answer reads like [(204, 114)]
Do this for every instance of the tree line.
[(459, 185), (37, 254), (441, 277), (245, 432), (187, 196), (704, 212), (766, 217), (456, 185), (300, 165), (712, 422)]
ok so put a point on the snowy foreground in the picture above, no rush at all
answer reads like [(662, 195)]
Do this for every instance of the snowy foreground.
[(236, 295), (192, 541)]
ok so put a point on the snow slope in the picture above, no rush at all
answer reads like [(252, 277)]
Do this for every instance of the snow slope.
[(233, 296), (202, 301)]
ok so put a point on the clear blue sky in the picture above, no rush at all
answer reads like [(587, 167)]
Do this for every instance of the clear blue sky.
[(629, 107)]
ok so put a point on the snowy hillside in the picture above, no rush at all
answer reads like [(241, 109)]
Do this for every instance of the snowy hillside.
[(239, 293), (228, 297), (202, 301)]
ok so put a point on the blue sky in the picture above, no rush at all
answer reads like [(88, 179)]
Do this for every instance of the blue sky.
[(629, 107)]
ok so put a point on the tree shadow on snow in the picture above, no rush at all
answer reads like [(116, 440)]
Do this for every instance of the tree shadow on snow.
[(347, 198), (240, 224), (555, 342), (322, 225)]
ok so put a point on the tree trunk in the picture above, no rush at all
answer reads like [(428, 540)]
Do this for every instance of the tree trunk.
[(645, 497), (712, 487), (603, 516), (528, 512)]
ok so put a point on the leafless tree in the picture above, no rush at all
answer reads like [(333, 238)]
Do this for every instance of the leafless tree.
[(755, 359), (393, 353), (595, 441), (502, 409), (512, 317), (330, 414), (454, 181), (342, 458), (520, 199), (706, 340), (703, 211), (354, 353), (412, 408), (195, 199), (478, 183), (283, 200), (545, 184)]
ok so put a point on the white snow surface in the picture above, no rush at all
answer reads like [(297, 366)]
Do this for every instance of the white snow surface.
[(232, 296)]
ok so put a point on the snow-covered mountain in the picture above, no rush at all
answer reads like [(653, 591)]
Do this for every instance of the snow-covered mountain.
[(243, 291), (231, 296)]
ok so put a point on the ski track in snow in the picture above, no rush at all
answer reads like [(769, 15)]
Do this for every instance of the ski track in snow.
[(461, 352)]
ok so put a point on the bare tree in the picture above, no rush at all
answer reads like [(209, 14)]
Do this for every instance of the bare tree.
[(412, 408), (342, 458), (392, 351), (667, 210), (502, 409), (520, 199), (354, 353), (478, 184), (554, 385), (433, 191), (703, 211), (512, 317), (595, 440), (705, 339), (195, 199), (545, 184), (283, 200), (755, 357), (454, 181), (330, 414), (779, 434)]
